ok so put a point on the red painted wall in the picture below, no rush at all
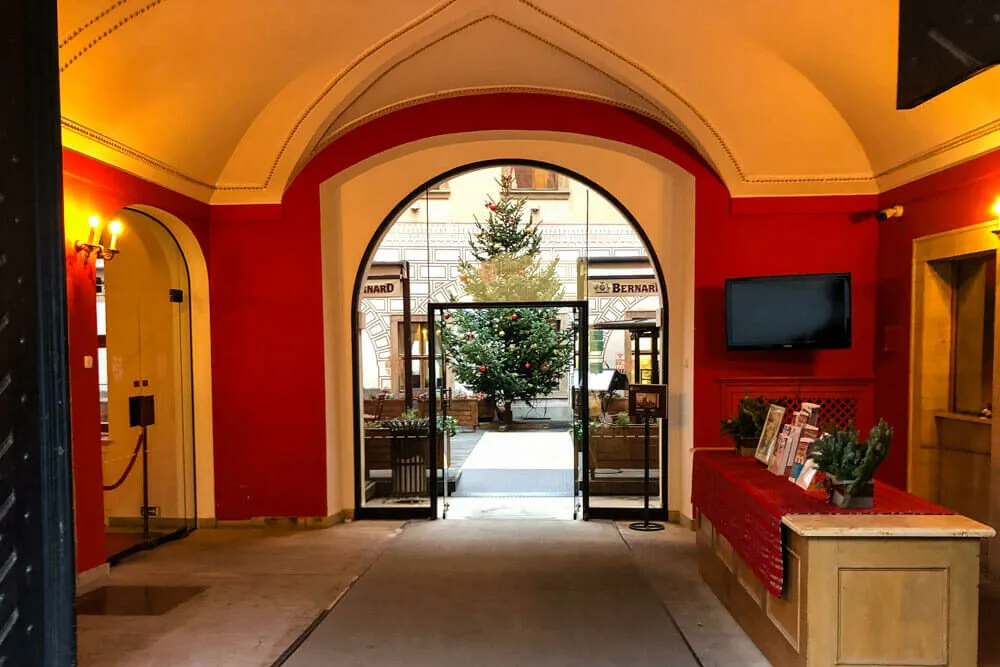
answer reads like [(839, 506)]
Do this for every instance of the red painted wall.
[(93, 188), (958, 197), (770, 236)]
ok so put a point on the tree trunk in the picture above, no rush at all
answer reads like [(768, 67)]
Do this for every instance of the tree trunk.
[(505, 415)]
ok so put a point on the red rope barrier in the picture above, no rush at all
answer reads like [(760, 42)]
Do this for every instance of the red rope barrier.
[(131, 463)]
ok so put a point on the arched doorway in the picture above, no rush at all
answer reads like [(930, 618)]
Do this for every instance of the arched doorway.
[(414, 259), (145, 349)]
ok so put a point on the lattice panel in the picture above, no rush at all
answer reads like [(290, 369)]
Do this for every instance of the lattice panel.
[(842, 401), (840, 411)]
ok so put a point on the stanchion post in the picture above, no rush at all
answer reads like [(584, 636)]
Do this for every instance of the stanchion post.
[(645, 525)]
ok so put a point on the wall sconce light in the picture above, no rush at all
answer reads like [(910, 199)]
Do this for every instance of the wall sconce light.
[(996, 212), (93, 246), (415, 208), (535, 209)]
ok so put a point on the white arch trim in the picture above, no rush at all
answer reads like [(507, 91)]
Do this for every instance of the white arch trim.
[(354, 203), (201, 357)]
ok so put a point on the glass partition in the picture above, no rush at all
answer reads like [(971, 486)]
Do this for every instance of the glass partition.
[(503, 234)]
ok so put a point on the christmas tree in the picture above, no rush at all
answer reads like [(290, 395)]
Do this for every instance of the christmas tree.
[(508, 354)]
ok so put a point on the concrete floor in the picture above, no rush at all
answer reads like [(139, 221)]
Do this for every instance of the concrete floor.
[(497, 594), (266, 586)]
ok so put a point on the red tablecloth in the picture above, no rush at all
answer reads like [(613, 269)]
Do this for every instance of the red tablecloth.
[(745, 503)]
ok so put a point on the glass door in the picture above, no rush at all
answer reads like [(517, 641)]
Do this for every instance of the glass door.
[(149, 463)]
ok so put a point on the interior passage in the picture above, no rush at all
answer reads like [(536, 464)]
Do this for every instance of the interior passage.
[(485, 593)]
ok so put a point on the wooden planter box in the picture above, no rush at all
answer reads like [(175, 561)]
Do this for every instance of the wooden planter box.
[(620, 447), (465, 410), (391, 408)]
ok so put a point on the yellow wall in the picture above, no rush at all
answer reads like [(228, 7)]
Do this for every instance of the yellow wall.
[(149, 339)]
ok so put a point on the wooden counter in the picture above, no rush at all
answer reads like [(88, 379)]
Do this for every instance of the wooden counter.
[(858, 590)]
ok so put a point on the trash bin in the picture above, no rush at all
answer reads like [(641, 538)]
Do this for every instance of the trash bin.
[(409, 466)]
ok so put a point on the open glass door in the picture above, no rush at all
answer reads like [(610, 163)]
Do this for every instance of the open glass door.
[(530, 458)]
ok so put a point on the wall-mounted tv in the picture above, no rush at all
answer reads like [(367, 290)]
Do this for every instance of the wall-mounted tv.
[(810, 312)]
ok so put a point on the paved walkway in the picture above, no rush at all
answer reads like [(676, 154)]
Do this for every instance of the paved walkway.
[(524, 591), (519, 463), (500, 593)]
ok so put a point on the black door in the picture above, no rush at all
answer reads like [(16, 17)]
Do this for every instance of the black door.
[(36, 527)]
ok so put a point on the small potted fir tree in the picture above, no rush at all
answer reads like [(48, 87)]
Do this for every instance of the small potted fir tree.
[(850, 464)]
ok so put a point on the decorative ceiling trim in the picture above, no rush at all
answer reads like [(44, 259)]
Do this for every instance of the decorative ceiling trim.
[(370, 51), (647, 72), (488, 90), (128, 151), (107, 33), (674, 125), (974, 134), (73, 35)]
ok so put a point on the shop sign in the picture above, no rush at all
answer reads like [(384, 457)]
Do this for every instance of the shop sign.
[(623, 286), (382, 287)]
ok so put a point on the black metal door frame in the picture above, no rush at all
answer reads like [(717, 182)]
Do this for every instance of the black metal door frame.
[(580, 309), (37, 565)]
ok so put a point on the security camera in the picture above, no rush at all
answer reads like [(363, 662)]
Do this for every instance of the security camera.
[(891, 212)]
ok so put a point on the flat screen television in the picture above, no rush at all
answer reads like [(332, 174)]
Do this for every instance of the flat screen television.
[(810, 312)]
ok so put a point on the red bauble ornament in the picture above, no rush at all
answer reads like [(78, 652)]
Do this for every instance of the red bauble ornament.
[(527, 364), (492, 207), (514, 316), (520, 272), (482, 369), (461, 277), (447, 316)]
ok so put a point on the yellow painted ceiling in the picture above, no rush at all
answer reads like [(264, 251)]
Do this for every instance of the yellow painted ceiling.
[(226, 99)]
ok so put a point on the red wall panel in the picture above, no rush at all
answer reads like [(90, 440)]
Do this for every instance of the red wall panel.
[(769, 236), (958, 197)]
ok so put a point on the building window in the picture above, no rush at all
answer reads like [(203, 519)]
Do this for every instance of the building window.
[(597, 340), (972, 354), (535, 179), (419, 360), (102, 347)]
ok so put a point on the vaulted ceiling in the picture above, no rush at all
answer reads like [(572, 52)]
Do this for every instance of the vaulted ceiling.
[(226, 99)]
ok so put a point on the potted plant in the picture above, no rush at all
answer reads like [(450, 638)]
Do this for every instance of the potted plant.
[(745, 426), (850, 464)]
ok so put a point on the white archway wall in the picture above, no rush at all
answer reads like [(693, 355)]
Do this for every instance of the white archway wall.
[(354, 203), (201, 357)]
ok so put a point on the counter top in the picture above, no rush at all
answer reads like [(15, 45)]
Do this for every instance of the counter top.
[(886, 525)]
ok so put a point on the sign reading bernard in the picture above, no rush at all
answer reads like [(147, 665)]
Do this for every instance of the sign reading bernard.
[(623, 286), (381, 287)]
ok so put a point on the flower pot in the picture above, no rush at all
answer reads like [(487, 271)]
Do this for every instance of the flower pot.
[(863, 498), (747, 447)]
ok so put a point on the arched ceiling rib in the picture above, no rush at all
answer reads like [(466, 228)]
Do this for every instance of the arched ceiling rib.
[(225, 100)]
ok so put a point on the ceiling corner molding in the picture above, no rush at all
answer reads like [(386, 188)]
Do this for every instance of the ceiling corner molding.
[(976, 133), (128, 151), (149, 6)]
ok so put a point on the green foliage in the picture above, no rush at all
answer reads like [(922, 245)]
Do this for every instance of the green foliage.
[(622, 419), (748, 421), (507, 251), (447, 425), (841, 455), (507, 354)]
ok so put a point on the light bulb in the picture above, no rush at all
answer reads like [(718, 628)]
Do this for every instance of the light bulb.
[(95, 225), (115, 228)]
